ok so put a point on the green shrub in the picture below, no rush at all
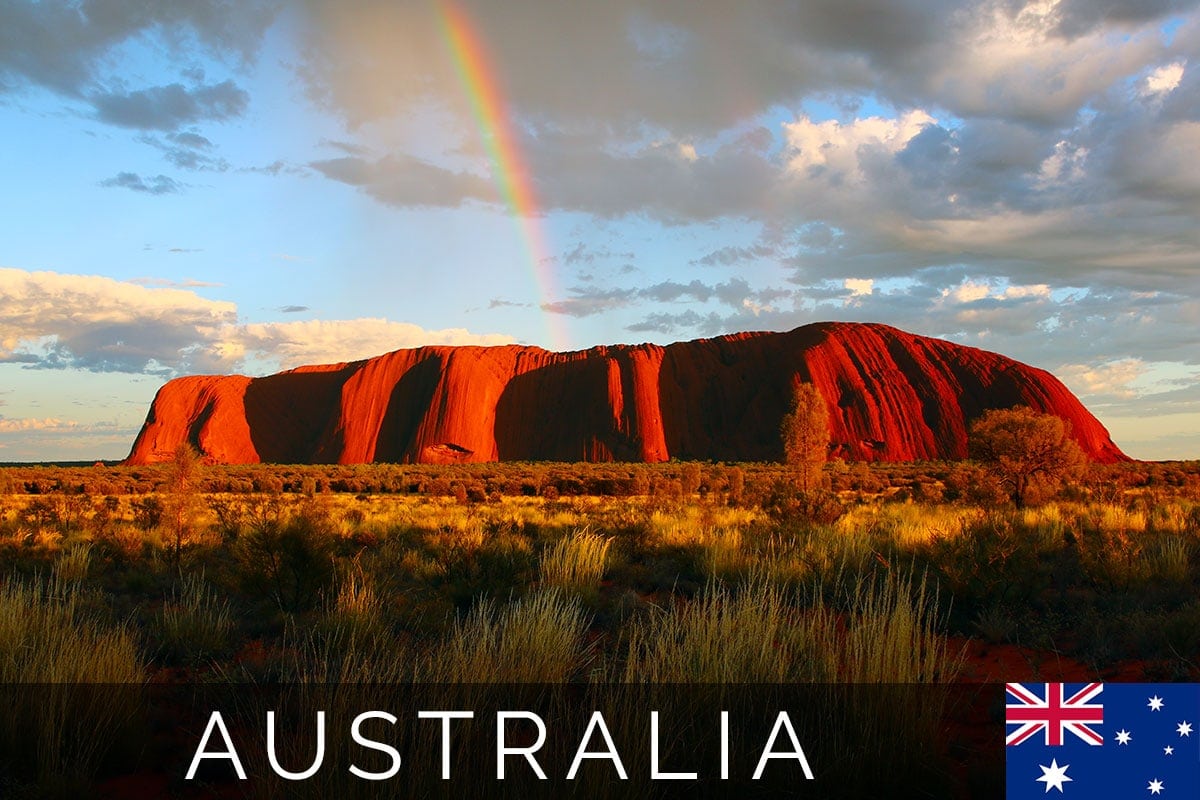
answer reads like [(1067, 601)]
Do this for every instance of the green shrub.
[(292, 561)]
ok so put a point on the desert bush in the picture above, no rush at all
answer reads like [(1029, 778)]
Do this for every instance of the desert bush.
[(971, 483), (291, 561), (231, 514), (1024, 448), (147, 512), (735, 481), (41, 515), (689, 478), (819, 506)]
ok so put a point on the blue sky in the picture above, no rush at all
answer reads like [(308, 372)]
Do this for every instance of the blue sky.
[(216, 186)]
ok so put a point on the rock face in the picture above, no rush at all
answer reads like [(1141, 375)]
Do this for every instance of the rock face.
[(892, 396)]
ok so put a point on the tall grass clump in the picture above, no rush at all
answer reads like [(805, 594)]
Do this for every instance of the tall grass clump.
[(341, 653), (1167, 558), (891, 633), (72, 563), (537, 639), (576, 563), (58, 731), (195, 625), (755, 634), (356, 606)]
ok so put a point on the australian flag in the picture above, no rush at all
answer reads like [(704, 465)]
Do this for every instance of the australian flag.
[(1095, 740)]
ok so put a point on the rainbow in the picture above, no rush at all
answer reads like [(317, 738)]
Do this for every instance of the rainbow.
[(509, 171)]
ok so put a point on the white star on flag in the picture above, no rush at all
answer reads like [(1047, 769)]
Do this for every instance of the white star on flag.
[(1123, 737), (1155, 787), (1185, 729), (1054, 775), (1156, 703), (1168, 750)]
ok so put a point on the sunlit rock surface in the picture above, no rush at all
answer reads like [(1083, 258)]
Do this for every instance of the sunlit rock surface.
[(893, 396)]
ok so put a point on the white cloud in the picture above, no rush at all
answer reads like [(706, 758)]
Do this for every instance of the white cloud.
[(97, 323), (1111, 378), (56, 320), (1164, 79), (1018, 292), (293, 344), (859, 286), (21, 425), (967, 292), (831, 148)]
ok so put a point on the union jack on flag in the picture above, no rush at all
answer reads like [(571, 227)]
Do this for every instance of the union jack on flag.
[(1053, 713)]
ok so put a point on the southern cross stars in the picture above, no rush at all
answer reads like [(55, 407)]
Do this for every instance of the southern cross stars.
[(1155, 787), (1155, 703), (1054, 776), (1168, 751), (1185, 729), (1123, 737)]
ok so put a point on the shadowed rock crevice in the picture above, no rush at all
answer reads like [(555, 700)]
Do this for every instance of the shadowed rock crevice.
[(410, 399), (287, 413), (891, 395)]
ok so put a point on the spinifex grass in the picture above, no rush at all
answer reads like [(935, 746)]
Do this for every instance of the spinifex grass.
[(891, 634), (576, 563), (59, 729), (194, 625), (538, 639), (756, 634)]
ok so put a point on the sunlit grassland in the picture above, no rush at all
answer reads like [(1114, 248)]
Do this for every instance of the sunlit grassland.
[(450, 578), (714, 584)]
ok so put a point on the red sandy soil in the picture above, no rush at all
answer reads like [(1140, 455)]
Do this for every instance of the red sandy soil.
[(1003, 663)]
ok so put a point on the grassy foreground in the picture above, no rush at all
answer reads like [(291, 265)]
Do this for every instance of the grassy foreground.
[(679, 573), (581, 576)]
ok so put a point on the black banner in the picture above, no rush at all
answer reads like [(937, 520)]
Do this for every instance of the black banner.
[(489, 740)]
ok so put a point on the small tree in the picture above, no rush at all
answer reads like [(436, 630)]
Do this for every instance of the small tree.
[(183, 495), (1021, 446), (805, 432)]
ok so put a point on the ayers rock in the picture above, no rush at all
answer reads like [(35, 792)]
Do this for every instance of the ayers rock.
[(892, 396)]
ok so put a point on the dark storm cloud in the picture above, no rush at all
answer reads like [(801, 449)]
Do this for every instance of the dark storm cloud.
[(586, 301), (159, 184), (732, 254), (583, 255), (1076, 17), (62, 45), (407, 181), (167, 108), (188, 150)]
